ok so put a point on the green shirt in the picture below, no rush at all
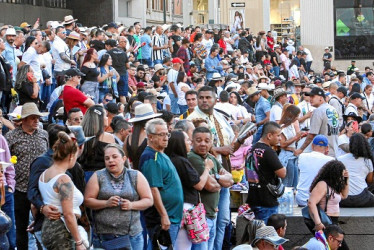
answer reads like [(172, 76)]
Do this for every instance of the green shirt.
[(161, 173), (209, 199)]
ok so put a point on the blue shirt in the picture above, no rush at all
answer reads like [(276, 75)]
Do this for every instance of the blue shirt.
[(10, 55), (261, 108), (146, 49), (212, 66)]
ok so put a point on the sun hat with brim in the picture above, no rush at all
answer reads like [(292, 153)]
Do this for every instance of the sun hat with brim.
[(252, 91), (143, 112), (10, 32), (290, 42), (79, 135), (354, 116), (263, 86), (268, 234), (30, 108), (326, 84), (16, 114), (217, 77), (158, 67), (69, 19), (74, 35), (277, 93)]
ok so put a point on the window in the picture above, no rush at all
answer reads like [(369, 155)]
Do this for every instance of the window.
[(159, 5), (354, 29)]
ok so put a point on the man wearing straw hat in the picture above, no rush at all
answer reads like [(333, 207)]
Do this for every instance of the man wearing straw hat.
[(26, 142)]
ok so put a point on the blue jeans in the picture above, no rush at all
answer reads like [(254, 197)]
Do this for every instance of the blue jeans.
[(136, 241), (92, 89), (223, 217), (182, 108), (292, 176), (308, 66), (276, 70), (263, 213), (174, 104), (157, 62), (123, 85), (147, 61), (208, 245), (257, 136), (173, 232), (8, 209)]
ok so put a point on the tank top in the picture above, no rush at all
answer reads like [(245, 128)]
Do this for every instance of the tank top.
[(332, 204), (135, 156), (91, 73), (113, 220), (50, 197)]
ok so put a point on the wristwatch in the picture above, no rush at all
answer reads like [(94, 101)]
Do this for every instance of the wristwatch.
[(217, 176)]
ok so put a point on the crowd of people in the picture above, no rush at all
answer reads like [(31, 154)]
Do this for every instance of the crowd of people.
[(119, 132)]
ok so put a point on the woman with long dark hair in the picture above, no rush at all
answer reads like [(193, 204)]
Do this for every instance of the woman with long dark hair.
[(359, 163), (328, 188), (27, 85), (90, 84), (240, 114), (183, 87), (289, 136), (178, 146), (293, 72), (31, 40), (107, 78)]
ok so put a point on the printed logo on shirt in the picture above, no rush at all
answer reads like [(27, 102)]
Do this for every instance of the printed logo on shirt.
[(333, 122)]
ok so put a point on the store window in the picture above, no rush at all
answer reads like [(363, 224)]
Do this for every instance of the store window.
[(354, 29)]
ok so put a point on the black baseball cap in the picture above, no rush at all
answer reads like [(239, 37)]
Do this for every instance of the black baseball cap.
[(112, 108), (317, 91), (318, 80), (73, 72), (356, 95), (111, 42), (112, 25), (342, 90)]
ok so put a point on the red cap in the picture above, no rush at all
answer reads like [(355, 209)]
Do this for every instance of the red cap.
[(177, 60), (140, 85)]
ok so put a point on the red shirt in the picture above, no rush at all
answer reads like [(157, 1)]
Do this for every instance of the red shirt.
[(132, 81), (73, 98)]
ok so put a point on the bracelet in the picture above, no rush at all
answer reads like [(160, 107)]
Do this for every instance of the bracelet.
[(79, 242), (41, 209), (318, 224)]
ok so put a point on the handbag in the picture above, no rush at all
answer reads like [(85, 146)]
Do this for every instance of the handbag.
[(325, 219), (195, 223), (123, 241)]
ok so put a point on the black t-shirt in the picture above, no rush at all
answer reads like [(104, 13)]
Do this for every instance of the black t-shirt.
[(189, 177), (268, 163), (97, 45), (131, 40), (175, 45), (91, 74), (273, 55), (326, 56), (303, 62), (119, 59), (25, 92)]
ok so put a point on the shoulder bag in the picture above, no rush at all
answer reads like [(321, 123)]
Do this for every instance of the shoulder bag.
[(195, 223), (121, 242), (325, 219)]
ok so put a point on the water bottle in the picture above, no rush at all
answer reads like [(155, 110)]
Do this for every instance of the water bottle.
[(286, 202), (282, 209)]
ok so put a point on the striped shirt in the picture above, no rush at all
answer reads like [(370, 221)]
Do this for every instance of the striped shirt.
[(157, 54)]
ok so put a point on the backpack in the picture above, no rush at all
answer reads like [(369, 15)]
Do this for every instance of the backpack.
[(341, 104), (250, 167)]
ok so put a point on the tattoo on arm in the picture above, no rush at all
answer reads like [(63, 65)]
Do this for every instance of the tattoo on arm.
[(65, 189)]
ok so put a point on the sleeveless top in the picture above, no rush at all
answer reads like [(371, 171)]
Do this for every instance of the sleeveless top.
[(50, 197), (135, 156), (96, 161), (332, 204), (91, 73), (113, 220)]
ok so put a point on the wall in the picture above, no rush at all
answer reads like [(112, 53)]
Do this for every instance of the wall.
[(135, 12), (256, 13), (15, 14), (93, 12)]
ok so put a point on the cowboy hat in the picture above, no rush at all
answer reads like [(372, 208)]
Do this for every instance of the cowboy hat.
[(252, 91), (79, 135), (264, 86), (10, 32), (158, 67), (30, 108), (69, 19), (143, 112), (353, 115), (74, 36), (16, 114), (277, 93), (217, 77), (290, 42)]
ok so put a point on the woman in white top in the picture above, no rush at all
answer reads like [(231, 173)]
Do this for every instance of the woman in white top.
[(183, 87), (293, 72), (240, 114), (238, 21), (343, 139), (368, 102), (289, 136), (359, 163), (57, 189)]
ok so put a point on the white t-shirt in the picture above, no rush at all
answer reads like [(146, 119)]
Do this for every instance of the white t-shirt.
[(226, 107), (228, 44), (358, 169), (309, 164), (309, 57), (343, 139), (275, 113), (166, 102), (59, 46), (181, 93), (305, 107), (351, 108), (208, 44), (172, 78), (289, 132), (31, 57)]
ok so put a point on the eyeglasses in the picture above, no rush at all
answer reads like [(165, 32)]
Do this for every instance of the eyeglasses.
[(339, 241), (77, 119), (163, 134), (108, 100)]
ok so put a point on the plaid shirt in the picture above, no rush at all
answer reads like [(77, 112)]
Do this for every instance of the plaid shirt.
[(26, 147)]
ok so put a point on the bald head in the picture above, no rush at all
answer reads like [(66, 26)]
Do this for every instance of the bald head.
[(159, 29)]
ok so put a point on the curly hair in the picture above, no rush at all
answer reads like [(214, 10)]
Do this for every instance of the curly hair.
[(332, 174), (359, 147)]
